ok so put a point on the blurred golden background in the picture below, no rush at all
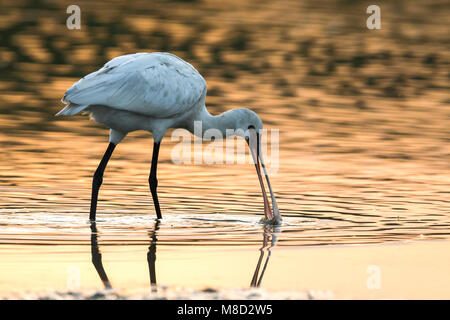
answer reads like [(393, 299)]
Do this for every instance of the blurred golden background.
[(282, 57)]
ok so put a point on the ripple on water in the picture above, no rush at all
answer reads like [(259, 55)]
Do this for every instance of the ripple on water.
[(34, 228), (120, 229)]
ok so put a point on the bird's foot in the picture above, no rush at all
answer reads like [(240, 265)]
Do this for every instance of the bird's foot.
[(271, 221)]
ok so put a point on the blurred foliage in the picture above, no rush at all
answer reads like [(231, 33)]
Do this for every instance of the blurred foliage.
[(275, 49)]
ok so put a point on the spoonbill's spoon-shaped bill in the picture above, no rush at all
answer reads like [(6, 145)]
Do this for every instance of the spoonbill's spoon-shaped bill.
[(254, 143)]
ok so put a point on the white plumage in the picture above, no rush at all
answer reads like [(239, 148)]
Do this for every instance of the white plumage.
[(154, 92), (157, 85)]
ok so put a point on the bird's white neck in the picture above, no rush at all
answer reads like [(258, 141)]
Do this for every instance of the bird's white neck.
[(204, 121)]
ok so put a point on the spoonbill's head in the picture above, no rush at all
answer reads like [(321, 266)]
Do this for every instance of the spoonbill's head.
[(249, 125), (245, 119)]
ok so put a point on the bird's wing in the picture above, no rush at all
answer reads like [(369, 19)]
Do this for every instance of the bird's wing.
[(153, 84)]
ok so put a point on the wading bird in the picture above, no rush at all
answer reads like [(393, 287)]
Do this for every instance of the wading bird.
[(155, 92)]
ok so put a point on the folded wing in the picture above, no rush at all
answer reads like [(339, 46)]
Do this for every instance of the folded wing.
[(152, 84)]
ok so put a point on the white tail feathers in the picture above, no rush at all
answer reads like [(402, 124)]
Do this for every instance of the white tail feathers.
[(71, 110)]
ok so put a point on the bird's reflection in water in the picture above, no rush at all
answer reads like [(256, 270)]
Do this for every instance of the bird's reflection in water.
[(151, 256), (269, 241), (97, 257)]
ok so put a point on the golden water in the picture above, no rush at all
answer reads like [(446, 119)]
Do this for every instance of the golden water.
[(363, 160)]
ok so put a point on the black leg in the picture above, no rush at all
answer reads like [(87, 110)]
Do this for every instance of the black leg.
[(98, 179), (153, 182)]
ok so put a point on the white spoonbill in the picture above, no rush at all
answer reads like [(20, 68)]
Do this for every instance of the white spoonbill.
[(155, 92)]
